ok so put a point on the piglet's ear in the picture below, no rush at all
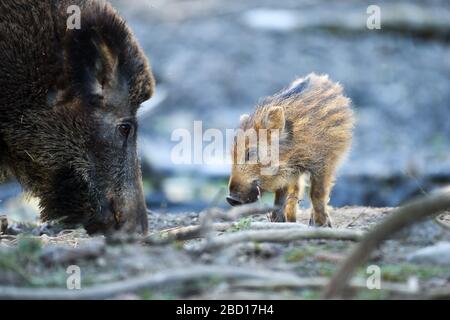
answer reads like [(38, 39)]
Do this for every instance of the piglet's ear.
[(243, 119), (274, 118), (91, 64)]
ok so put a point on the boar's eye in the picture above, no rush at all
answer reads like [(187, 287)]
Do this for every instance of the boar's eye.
[(125, 129)]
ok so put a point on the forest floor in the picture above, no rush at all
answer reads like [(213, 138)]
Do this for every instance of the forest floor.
[(169, 268)]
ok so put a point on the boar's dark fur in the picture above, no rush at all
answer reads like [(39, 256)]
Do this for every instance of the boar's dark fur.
[(68, 103)]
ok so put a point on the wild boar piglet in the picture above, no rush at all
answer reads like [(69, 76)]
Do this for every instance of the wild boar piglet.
[(304, 130)]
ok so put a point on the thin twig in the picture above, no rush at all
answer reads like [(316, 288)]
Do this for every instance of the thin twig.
[(356, 218)]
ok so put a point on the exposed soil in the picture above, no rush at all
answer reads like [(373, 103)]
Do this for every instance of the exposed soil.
[(42, 259)]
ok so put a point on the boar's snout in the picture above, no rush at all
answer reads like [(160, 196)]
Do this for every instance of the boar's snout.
[(123, 216)]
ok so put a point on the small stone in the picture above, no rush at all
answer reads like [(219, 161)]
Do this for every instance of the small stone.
[(437, 254)]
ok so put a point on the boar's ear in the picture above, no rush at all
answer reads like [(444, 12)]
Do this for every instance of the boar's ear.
[(274, 118), (243, 119), (91, 64)]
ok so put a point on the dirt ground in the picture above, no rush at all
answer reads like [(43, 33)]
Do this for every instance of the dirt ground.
[(38, 257)]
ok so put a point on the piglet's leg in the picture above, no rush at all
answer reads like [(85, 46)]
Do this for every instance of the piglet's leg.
[(294, 193), (280, 199), (320, 195)]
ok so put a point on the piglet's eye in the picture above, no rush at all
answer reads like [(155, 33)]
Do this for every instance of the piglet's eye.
[(125, 129)]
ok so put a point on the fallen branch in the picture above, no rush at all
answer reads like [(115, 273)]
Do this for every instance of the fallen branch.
[(195, 231), (276, 225), (183, 233), (286, 235), (238, 212), (154, 281), (320, 282), (400, 218)]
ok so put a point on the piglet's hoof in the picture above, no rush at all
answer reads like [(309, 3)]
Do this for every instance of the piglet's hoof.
[(326, 224), (276, 216)]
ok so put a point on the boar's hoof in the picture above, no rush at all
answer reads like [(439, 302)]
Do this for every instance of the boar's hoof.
[(326, 224)]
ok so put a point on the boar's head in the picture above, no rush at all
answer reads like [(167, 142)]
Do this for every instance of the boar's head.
[(79, 153), (255, 155)]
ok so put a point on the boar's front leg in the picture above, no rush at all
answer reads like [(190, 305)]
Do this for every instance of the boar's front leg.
[(280, 199), (320, 194)]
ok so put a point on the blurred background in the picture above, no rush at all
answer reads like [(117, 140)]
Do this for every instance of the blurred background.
[(215, 59)]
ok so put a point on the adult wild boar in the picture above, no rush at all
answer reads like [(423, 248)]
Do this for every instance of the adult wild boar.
[(68, 103), (313, 124)]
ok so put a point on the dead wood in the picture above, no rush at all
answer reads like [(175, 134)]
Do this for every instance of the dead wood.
[(238, 212), (153, 281), (320, 282), (195, 231), (286, 235)]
